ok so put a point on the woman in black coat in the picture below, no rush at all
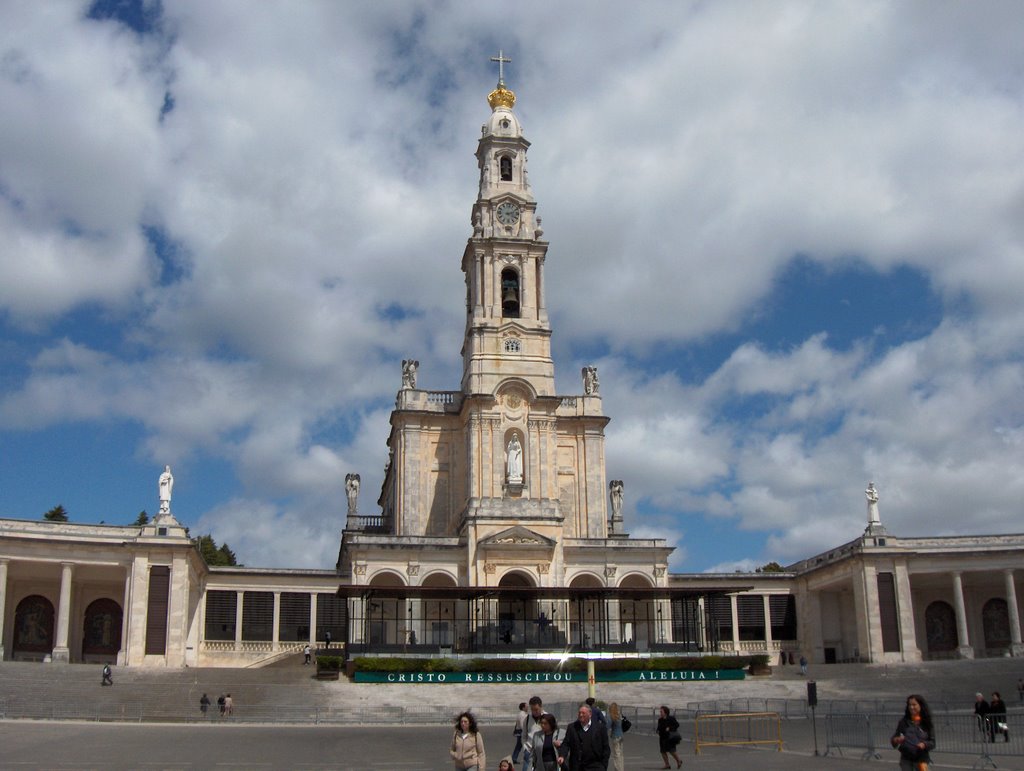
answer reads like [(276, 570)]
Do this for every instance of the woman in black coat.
[(915, 735), (668, 737), (997, 717)]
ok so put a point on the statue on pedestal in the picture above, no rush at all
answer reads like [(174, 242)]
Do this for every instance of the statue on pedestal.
[(591, 385), (615, 493), (165, 485), (352, 492), (409, 367), (872, 496)]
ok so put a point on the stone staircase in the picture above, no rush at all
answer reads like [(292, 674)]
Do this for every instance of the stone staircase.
[(286, 691)]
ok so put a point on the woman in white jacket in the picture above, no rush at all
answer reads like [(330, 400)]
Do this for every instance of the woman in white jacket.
[(547, 742)]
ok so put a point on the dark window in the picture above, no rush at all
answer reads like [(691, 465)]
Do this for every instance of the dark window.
[(331, 616), (750, 614), (33, 625), (294, 617), (221, 608), (509, 294), (102, 632), (719, 611), (506, 169), (686, 623), (783, 610), (258, 616), (887, 613), (156, 616)]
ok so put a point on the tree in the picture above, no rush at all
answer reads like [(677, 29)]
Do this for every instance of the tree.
[(57, 514), (212, 554), (142, 519), (771, 567)]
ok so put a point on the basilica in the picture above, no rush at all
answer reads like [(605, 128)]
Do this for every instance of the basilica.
[(496, 532)]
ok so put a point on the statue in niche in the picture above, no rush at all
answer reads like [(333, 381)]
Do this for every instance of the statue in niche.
[(352, 492), (591, 385), (872, 496), (514, 460), (165, 485), (409, 367)]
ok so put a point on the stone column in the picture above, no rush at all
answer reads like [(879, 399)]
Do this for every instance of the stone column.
[(767, 623), (905, 604), (3, 603), (1016, 648), (177, 611), (126, 618), (965, 650), (275, 637), (312, 619), (239, 609), (60, 648), (735, 615), (866, 613)]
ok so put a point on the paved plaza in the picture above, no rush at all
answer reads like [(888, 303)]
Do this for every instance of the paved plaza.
[(382, 742)]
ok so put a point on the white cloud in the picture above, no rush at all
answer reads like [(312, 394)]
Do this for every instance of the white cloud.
[(316, 176)]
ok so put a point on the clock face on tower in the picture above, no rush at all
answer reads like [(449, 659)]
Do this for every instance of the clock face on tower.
[(508, 213)]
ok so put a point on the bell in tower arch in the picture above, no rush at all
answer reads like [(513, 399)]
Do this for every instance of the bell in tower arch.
[(505, 167), (509, 294)]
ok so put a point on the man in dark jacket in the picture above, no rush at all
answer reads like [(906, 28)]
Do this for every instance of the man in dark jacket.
[(587, 742)]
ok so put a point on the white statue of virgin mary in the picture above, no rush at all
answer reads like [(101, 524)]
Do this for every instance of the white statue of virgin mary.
[(514, 460)]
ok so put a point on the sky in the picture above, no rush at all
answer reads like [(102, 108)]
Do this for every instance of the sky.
[(790, 235)]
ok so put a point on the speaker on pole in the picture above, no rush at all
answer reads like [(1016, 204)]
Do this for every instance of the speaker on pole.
[(812, 694)]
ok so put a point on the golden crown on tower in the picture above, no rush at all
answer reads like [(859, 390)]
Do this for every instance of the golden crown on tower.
[(501, 97)]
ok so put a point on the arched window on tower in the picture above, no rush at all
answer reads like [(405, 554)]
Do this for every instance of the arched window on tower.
[(505, 166), (510, 294)]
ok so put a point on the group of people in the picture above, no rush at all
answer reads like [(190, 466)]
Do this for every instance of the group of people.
[(991, 716), (225, 704), (590, 743)]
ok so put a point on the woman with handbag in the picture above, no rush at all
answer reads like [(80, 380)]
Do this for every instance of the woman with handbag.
[(997, 717), (468, 745), (915, 735), (668, 737), (617, 729)]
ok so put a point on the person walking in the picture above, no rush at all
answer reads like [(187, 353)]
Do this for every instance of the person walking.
[(530, 727), (220, 704), (467, 750), (204, 704), (668, 737), (547, 750), (229, 705), (803, 664), (596, 714), (308, 653), (915, 735), (108, 678), (981, 713), (618, 763), (997, 717), (327, 640), (517, 731), (586, 745)]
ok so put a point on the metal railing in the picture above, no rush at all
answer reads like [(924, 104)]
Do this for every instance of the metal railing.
[(955, 734), (737, 729)]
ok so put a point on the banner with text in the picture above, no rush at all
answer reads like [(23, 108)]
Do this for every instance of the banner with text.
[(620, 676)]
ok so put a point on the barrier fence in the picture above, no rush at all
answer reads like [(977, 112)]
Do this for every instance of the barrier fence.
[(736, 729), (955, 734)]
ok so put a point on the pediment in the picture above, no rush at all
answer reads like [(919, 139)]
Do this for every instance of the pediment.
[(517, 537)]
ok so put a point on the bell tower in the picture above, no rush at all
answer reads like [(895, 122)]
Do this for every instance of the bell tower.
[(507, 329)]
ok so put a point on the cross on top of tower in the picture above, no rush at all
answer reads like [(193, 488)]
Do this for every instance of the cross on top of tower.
[(502, 61)]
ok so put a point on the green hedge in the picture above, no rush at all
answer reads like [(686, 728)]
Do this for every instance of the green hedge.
[(332, 663), (398, 664)]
